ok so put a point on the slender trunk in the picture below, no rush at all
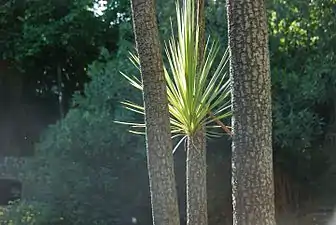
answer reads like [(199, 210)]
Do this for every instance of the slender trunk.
[(197, 213), (252, 163), (158, 135), (200, 17), (60, 91)]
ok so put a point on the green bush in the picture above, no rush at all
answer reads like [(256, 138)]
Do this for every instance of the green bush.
[(87, 168), (29, 213)]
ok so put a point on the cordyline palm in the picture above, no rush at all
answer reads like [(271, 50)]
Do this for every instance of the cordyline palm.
[(198, 94)]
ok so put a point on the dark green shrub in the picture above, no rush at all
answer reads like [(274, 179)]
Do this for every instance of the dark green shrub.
[(29, 213), (87, 168)]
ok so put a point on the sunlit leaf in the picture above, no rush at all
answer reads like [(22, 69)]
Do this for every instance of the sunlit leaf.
[(194, 91)]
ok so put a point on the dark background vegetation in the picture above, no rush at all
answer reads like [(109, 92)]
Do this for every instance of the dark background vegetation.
[(60, 92)]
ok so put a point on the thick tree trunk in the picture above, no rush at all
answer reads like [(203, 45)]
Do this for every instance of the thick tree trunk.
[(158, 136), (197, 213), (252, 166)]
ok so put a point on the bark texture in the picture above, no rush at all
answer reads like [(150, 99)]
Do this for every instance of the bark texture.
[(196, 185), (200, 17), (158, 136), (197, 213), (252, 163)]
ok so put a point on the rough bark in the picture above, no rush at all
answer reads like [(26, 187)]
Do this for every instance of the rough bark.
[(200, 17), (252, 166), (158, 136), (196, 185), (197, 212)]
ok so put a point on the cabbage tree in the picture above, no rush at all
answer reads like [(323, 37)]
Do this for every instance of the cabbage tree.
[(198, 89)]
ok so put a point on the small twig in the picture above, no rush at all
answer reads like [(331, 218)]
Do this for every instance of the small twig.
[(222, 125)]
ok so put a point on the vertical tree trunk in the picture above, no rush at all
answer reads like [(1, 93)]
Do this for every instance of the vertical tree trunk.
[(196, 183), (252, 166), (158, 136), (197, 212), (200, 17), (60, 91)]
